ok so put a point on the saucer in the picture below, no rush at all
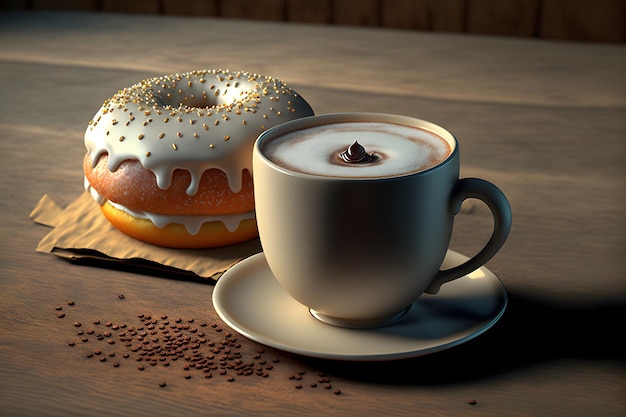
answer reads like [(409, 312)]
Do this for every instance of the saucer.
[(250, 300)]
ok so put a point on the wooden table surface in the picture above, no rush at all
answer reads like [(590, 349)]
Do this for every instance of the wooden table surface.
[(543, 120)]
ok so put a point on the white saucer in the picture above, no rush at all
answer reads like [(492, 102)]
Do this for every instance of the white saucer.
[(250, 300)]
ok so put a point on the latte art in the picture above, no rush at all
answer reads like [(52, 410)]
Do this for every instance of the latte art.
[(384, 150)]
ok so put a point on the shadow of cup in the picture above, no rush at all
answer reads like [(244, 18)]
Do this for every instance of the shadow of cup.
[(531, 331)]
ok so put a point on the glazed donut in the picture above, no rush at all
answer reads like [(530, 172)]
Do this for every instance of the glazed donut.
[(169, 159)]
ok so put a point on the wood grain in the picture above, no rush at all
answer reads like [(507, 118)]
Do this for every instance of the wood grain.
[(578, 20), (63, 4), (356, 12), (242, 9), (426, 15), (542, 120), (191, 8), (313, 11), (575, 20), (514, 18), (136, 6)]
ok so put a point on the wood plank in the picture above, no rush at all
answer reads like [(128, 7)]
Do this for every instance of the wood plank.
[(136, 6), (260, 10), (64, 4), (13, 4), (435, 15), (509, 18), (357, 12), (310, 11), (600, 21), (191, 7)]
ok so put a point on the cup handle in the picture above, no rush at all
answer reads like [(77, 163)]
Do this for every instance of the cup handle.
[(501, 210)]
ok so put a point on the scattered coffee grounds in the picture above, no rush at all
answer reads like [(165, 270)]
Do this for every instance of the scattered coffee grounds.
[(321, 378), (199, 348)]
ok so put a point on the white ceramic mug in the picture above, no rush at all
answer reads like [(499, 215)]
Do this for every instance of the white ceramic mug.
[(359, 241)]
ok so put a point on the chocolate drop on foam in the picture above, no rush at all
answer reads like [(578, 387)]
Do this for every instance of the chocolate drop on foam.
[(356, 154)]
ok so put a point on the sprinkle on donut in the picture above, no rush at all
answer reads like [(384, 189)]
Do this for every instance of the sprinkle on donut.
[(206, 119)]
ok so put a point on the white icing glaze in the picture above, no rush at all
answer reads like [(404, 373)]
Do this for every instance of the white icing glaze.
[(193, 121), (191, 223), (94, 194)]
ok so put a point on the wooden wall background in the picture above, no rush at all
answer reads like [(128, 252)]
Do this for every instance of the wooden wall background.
[(575, 20)]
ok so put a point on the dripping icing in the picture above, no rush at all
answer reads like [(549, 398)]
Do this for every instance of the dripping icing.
[(192, 224), (167, 136)]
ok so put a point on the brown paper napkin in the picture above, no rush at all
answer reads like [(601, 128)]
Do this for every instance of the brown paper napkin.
[(80, 231)]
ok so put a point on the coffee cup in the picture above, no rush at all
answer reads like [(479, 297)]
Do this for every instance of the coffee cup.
[(355, 213)]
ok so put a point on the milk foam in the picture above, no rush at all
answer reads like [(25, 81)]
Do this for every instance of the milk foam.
[(399, 149)]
